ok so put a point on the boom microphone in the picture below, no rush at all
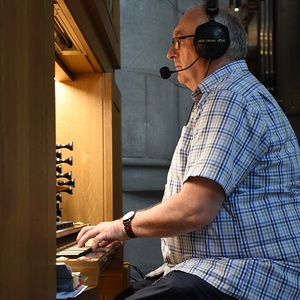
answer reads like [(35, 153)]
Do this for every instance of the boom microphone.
[(165, 72)]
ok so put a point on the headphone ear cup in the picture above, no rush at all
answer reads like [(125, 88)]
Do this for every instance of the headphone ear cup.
[(211, 40)]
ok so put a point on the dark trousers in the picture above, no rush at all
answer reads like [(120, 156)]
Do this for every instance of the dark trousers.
[(175, 285)]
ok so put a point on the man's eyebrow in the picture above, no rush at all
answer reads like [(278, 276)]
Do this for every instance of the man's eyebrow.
[(178, 32)]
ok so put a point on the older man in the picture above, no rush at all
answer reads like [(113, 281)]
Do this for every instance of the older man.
[(229, 219)]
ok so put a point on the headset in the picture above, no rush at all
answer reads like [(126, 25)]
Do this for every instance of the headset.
[(211, 39)]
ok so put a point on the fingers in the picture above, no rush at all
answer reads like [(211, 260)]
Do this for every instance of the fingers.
[(83, 231), (85, 234), (99, 244), (100, 240), (103, 234), (106, 246), (114, 244)]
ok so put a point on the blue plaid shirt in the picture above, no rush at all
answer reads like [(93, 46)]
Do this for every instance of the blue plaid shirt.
[(238, 136)]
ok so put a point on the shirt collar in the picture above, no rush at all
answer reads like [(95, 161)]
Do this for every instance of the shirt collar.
[(207, 83), (196, 95)]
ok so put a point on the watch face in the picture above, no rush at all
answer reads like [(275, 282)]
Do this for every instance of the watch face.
[(128, 216)]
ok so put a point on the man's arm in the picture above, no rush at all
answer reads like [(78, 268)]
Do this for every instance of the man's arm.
[(193, 208)]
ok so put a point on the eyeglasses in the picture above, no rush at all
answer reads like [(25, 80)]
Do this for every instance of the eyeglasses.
[(175, 40)]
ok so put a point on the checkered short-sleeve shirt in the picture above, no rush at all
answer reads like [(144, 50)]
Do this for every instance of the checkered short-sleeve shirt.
[(238, 136)]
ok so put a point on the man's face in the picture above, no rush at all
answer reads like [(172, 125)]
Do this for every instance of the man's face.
[(183, 52)]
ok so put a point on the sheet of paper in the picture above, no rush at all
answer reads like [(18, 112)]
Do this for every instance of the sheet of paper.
[(73, 294)]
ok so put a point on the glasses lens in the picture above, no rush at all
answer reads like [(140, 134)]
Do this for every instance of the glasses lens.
[(175, 42)]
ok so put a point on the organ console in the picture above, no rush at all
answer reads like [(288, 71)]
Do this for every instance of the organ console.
[(104, 267), (63, 186), (66, 231)]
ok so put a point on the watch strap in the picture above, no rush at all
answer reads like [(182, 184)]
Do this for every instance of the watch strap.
[(127, 218), (128, 229)]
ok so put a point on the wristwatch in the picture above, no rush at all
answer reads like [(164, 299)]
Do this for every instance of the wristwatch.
[(127, 218)]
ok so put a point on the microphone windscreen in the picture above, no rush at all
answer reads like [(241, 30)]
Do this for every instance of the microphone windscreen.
[(165, 72)]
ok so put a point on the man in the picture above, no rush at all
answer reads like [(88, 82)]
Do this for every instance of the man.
[(229, 219)]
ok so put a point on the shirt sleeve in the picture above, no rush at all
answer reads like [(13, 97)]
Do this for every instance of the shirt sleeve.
[(228, 139)]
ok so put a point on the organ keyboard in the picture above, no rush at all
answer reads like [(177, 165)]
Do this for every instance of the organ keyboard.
[(105, 266), (66, 233), (74, 251), (67, 250), (64, 224)]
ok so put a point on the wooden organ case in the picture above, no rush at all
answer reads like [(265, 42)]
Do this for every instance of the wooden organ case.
[(88, 115), (35, 114)]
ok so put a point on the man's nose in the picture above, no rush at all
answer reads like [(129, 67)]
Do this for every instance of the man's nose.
[(171, 52)]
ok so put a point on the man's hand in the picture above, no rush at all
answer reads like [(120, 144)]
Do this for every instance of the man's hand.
[(105, 234)]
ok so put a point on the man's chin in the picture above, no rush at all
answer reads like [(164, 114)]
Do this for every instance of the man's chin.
[(181, 78)]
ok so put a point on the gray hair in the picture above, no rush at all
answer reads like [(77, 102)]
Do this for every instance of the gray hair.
[(237, 33)]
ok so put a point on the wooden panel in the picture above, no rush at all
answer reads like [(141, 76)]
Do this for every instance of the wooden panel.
[(100, 29), (82, 27), (113, 148), (105, 14), (27, 152), (79, 119), (89, 266), (88, 112), (76, 63), (61, 73), (115, 278)]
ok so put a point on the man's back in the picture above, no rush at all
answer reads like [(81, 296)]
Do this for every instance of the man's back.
[(239, 137)]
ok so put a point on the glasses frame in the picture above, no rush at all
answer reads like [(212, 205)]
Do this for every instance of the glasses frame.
[(176, 40)]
